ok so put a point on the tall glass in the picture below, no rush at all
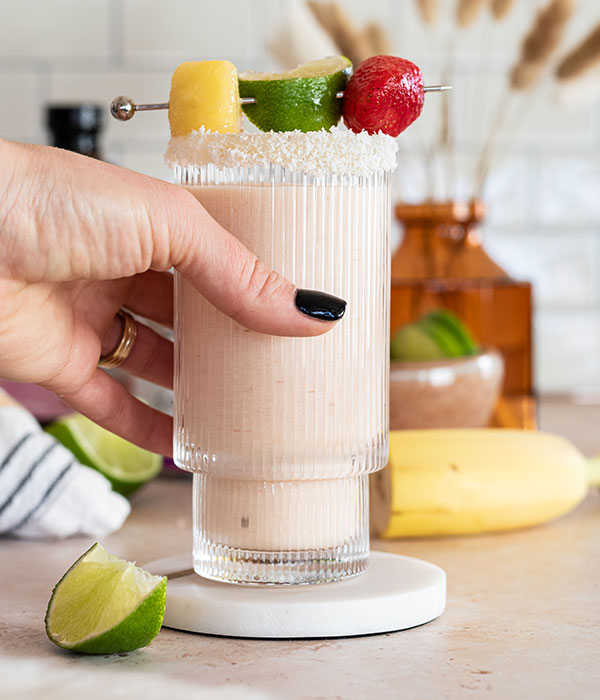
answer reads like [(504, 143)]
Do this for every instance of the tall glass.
[(281, 433)]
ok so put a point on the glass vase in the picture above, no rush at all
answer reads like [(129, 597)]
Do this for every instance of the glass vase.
[(441, 263)]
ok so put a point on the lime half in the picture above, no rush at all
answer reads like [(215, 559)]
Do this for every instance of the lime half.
[(412, 343), (437, 335), (444, 337), (105, 605), (304, 98), (125, 465)]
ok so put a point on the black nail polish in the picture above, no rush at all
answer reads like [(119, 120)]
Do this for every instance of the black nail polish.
[(319, 305)]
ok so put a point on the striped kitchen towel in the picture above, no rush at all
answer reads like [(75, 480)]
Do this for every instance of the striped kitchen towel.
[(44, 491)]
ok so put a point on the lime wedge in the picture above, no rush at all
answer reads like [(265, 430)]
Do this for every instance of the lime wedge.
[(303, 98), (125, 465), (105, 605)]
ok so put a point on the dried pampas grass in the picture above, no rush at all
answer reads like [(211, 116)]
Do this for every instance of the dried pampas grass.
[(540, 43), (428, 9), (580, 59), (500, 8), (467, 11), (544, 35), (377, 39), (300, 38), (523, 75), (337, 23)]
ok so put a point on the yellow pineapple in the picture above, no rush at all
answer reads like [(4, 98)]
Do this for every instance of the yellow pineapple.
[(204, 94)]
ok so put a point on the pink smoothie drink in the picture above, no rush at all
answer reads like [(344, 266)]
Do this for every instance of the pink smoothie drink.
[(281, 433)]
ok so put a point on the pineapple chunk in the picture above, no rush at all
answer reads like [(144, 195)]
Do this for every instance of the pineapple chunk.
[(204, 94)]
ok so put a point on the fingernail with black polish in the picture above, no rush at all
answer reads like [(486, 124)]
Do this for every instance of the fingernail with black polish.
[(319, 305)]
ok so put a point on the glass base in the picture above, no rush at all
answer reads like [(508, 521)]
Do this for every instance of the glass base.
[(242, 566), (280, 532)]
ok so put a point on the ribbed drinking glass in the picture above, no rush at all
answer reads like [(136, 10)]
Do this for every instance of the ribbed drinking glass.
[(281, 433)]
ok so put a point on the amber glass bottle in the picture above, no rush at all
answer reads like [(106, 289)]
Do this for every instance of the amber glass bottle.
[(441, 263)]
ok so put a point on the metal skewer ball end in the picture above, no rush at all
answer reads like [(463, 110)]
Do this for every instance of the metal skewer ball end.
[(123, 108)]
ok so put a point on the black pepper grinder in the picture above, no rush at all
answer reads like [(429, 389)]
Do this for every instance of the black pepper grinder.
[(76, 127)]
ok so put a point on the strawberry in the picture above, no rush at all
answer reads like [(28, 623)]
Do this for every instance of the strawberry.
[(384, 94)]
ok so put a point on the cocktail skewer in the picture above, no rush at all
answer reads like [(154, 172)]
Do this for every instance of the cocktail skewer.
[(123, 108)]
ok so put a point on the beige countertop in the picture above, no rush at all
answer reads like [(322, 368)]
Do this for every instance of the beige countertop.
[(522, 620)]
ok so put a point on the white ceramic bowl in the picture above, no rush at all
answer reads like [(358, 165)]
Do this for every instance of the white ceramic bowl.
[(454, 393)]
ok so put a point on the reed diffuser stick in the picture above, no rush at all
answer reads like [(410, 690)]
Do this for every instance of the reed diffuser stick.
[(486, 154), (447, 142)]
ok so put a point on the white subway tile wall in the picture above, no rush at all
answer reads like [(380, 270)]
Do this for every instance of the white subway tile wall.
[(65, 29), (543, 197)]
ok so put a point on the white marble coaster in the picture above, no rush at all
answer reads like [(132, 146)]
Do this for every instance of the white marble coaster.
[(395, 593)]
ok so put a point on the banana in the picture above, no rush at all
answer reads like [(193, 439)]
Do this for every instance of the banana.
[(455, 482)]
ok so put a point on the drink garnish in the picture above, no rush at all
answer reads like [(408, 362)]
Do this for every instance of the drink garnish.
[(385, 95)]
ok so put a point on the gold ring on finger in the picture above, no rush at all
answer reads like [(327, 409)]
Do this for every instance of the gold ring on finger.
[(117, 356)]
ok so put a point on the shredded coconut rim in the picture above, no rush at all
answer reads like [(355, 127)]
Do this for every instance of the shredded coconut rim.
[(337, 150)]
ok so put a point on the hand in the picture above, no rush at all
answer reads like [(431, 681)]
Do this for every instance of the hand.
[(80, 239)]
